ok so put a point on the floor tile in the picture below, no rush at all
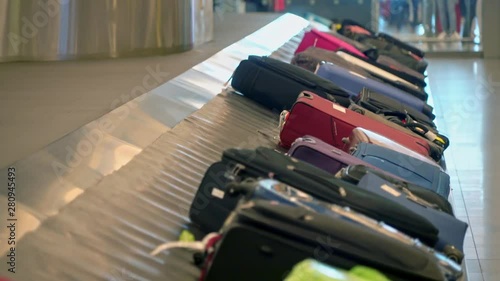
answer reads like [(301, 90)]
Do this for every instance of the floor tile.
[(465, 92), (490, 266), (476, 277)]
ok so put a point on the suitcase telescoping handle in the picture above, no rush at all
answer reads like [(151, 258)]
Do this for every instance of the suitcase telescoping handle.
[(422, 130)]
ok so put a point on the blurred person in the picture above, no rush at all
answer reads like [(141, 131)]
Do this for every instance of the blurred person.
[(448, 18)]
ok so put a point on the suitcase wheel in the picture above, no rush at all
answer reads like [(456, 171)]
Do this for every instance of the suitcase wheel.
[(454, 254)]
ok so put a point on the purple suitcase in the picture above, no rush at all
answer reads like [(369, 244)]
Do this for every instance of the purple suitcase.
[(353, 83), (322, 155)]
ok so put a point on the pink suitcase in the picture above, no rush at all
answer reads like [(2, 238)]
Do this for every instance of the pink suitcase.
[(363, 135), (318, 39)]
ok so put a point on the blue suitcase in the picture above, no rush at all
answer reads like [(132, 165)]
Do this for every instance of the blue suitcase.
[(353, 83), (411, 169), (273, 190), (451, 230)]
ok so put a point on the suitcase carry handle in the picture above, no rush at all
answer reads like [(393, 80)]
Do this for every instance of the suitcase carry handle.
[(306, 94)]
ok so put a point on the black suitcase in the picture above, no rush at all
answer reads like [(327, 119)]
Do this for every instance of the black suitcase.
[(383, 36), (376, 103), (312, 57), (212, 200), (403, 115), (276, 84), (388, 46), (354, 173), (263, 240)]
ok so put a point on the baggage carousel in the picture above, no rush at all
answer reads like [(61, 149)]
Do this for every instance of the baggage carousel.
[(94, 204)]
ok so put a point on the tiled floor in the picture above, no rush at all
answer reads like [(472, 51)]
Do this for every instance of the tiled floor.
[(466, 96)]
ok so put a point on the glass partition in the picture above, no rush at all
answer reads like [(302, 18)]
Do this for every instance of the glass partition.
[(432, 25), (435, 24)]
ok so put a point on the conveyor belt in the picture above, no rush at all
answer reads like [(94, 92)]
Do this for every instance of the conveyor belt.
[(107, 232), (100, 220)]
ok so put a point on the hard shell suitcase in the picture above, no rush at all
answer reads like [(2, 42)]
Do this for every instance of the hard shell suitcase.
[(276, 84), (212, 202), (436, 149), (312, 57), (359, 135), (406, 167), (318, 117), (276, 237), (316, 38), (354, 173), (385, 75), (354, 83), (451, 230)]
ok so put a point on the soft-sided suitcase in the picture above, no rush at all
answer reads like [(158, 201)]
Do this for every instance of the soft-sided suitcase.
[(354, 83), (273, 190), (354, 173), (212, 202), (276, 191), (406, 167), (365, 49), (312, 57), (276, 237), (451, 230), (276, 84), (359, 135), (402, 115), (411, 75), (436, 149), (348, 25), (383, 48), (316, 38), (378, 102), (333, 160), (385, 75), (318, 117)]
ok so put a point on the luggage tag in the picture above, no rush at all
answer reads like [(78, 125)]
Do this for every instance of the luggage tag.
[(193, 245), (409, 195), (283, 118)]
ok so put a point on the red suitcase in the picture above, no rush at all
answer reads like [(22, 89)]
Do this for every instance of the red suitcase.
[(318, 39), (332, 123)]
